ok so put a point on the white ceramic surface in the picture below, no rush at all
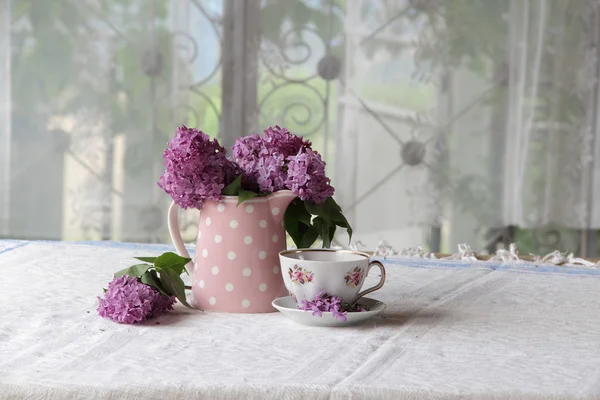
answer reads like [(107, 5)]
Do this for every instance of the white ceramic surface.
[(289, 308), (306, 272)]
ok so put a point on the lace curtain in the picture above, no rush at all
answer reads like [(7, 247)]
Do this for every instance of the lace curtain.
[(488, 126), (442, 122)]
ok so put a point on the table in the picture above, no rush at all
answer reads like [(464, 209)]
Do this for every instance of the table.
[(451, 330)]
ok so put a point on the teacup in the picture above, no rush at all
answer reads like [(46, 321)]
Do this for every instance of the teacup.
[(306, 272)]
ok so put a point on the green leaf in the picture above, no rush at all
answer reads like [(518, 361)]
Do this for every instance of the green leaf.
[(349, 230), (297, 222), (244, 195), (297, 211), (173, 285), (322, 226), (151, 278), (338, 218), (233, 189), (135, 271), (304, 229), (332, 229), (308, 238), (331, 213), (146, 259), (172, 262), (320, 210)]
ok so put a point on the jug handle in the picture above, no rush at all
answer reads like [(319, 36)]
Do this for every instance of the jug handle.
[(173, 224)]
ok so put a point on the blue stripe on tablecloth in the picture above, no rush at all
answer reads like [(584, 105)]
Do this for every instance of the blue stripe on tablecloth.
[(525, 267), (17, 244), (409, 262), (127, 245), (109, 244)]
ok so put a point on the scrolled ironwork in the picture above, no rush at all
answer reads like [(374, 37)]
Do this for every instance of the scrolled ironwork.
[(284, 61), (329, 67), (290, 111), (215, 26), (151, 62)]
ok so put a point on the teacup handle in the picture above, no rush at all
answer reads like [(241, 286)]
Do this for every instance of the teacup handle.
[(381, 281), (173, 223)]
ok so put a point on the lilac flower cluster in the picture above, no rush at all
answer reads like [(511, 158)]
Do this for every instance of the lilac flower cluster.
[(281, 160), (325, 303), (306, 177), (197, 168), (263, 159), (270, 173), (280, 140), (128, 301)]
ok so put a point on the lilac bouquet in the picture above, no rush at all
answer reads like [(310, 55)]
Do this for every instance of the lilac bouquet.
[(146, 290), (197, 169), (128, 300)]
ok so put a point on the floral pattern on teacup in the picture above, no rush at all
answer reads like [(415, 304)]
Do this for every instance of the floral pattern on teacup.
[(293, 296), (299, 275), (353, 277)]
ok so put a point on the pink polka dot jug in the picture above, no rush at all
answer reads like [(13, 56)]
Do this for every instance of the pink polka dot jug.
[(236, 266)]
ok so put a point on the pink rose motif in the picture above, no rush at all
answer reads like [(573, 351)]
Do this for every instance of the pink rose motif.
[(299, 275), (354, 277)]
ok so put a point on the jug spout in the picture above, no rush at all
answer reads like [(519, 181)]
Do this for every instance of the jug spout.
[(278, 203)]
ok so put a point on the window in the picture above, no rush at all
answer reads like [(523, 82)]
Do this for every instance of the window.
[(442, 122)]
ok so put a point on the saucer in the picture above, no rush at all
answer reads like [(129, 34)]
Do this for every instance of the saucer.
[(290, 309)]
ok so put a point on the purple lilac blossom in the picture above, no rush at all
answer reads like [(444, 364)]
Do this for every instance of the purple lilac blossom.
[(195, 168), (281, 141), (325, 303), (247, 151), (128, 301), (232, 171), (306, 177), (270, 174), (263, 159)]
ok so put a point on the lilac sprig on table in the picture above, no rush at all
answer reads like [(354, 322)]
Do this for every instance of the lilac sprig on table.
[(333, 304), (128, 300), (197, 169), (146, 290)]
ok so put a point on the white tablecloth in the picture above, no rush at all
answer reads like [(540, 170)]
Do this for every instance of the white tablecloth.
[(451, 330)]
